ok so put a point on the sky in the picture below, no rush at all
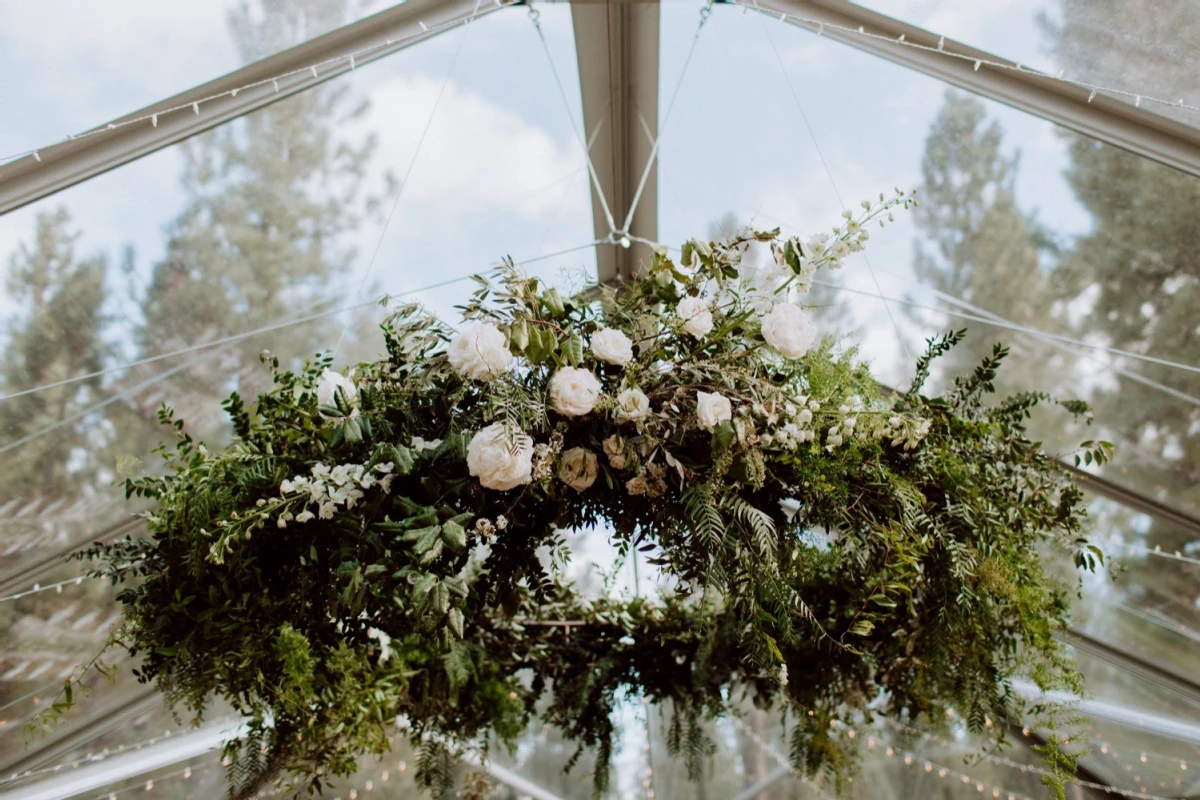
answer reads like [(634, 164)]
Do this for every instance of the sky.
[(500, 171)]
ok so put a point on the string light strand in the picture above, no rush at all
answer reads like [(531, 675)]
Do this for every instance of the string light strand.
[(313, 70), (1095, 89)]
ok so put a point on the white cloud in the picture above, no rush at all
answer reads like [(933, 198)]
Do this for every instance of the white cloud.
[(477, 157)]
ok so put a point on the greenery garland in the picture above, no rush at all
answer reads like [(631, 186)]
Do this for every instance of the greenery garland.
[(388, 544)]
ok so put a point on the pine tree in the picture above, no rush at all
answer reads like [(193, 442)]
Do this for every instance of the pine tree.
[(58, 333), (270, 200), (1138, 262), (978, 245)]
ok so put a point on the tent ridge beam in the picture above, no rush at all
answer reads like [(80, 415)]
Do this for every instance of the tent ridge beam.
[(62, 165), (1074, 107)]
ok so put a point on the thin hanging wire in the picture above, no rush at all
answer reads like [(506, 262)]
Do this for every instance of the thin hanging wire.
[(534, 17), (832, 182), (167, 373), (254, 332), (1001, 323), (705, 13), (404, 184)]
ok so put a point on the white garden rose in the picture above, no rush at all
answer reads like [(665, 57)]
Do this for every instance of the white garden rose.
[(574, 391), (612, 346), (632, 405), (499, 460), (788, 329), (327, 391), (697, 319), (713, 408), (480, 352), (578, 468)]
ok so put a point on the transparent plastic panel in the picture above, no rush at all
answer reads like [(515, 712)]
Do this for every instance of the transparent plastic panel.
[(1062, 249), (1145, 51), (162, 282), (73, 65)]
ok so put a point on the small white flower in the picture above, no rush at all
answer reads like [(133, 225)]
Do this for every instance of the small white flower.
[(500, 461), (578, 468), (385, 467), (788, 329), (574, 391), (340, 474), (697, 319), (320, 471), (421, 445), (385, 643), (327, 510), (386, 483), (305, 516), (612, 346), (713, 408), (327, 390), (632, 405), (804, 417), (480, 352), (790, 507)]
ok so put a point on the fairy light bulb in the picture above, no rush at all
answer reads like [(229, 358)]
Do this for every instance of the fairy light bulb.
[(625, 242)]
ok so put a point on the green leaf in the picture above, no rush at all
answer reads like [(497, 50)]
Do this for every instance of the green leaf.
[(454, 618), (350, 430), (423, 538), (519, 334), (439, 599), (402, 457), (454, 535), (553, 302), (573, 350), (722, 437)]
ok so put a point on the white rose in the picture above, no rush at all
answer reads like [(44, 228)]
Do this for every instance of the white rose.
[(612, 346), (713, 409), (480, 353), (327, 390), (697, 319), (632, 405), (578, 468), (499, 460), (788, 329), (574, 392)]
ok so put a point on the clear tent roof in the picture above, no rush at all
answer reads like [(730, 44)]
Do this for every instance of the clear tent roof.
[(1020, 219)]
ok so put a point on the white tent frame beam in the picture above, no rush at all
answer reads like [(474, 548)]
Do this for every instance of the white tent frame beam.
[(60, 166), (1109, 120), (616, 43)]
